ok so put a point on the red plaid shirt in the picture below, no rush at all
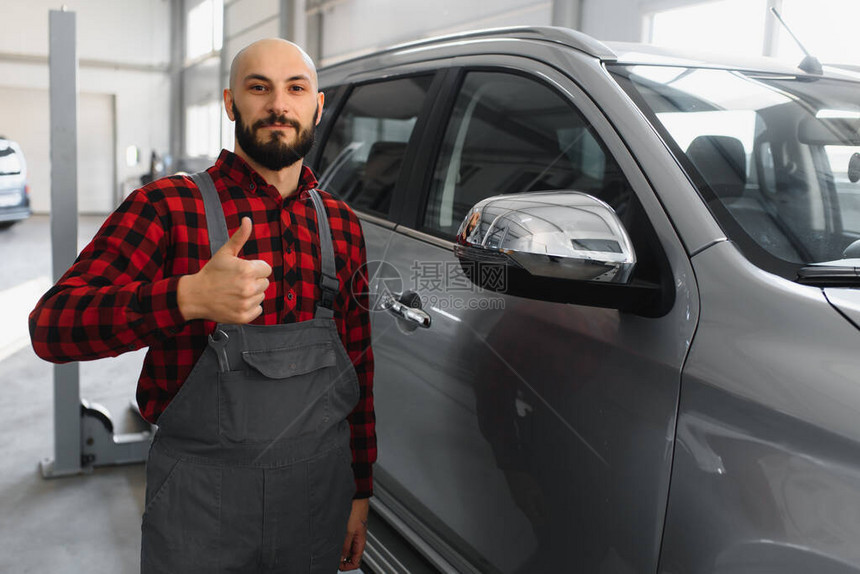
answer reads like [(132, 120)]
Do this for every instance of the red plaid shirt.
[(120, 294)]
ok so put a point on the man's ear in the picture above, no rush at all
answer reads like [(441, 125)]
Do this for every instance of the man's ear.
[(320, 102), (228, 104)]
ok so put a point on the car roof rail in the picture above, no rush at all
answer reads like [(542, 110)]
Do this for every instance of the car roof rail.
[(555, 34)]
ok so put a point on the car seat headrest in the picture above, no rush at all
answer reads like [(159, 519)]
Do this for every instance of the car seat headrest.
[(722, 162)]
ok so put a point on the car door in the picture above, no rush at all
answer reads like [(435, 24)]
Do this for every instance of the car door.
[(527, 435), (367, 134)]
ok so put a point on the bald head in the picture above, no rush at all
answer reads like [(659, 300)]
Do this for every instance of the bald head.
[(247, 58), (274, 99)]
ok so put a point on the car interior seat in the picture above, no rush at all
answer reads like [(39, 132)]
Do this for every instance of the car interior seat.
[(721, 160), (379, 176)]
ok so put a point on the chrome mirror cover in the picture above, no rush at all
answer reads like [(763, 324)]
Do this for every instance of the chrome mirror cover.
[(559, 234)]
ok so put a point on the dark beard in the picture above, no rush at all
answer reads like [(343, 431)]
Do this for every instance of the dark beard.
[(274, 154)]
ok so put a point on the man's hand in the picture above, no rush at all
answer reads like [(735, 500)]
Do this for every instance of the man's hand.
[(356, 535), (227, 289)]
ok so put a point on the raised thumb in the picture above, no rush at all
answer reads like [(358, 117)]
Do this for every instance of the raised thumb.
[(237, 240)]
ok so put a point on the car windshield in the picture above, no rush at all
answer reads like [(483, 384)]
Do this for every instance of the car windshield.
[(9, 163), (774, 156)]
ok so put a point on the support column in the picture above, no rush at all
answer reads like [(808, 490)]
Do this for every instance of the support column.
[(177, 84), (63, 67), (314, 30), (567, 13), (287, 26), (771, 28)]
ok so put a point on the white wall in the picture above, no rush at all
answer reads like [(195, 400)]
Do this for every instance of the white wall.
[(619, 20), (123, 51), (355, 27), (246, 21), (622, 20), (128, 31), (24, 120)]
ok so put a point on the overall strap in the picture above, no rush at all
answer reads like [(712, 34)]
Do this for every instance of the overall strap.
[(214, 212), (329, 284), (218, 235)]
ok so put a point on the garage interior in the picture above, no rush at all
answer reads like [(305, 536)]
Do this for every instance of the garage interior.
[(149, 81)]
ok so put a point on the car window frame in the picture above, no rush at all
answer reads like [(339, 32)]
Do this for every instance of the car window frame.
[(560, 70), (560, 79), (414, 218), (534, 70), (345, 91)]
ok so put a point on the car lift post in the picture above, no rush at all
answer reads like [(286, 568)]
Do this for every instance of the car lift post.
[(83, 433)]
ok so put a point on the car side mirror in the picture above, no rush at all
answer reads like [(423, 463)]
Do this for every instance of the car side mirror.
[(566, 235), (563, 246)]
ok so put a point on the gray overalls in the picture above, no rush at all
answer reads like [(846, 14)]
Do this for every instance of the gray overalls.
[(250, 470)]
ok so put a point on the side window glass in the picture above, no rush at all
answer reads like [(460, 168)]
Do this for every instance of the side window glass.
[(364, 152), (511, 134)]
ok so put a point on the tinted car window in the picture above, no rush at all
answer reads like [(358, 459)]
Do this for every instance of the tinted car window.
[(364, 152), (511, 134)]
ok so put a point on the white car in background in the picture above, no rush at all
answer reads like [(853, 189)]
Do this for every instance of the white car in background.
[(14, 192)]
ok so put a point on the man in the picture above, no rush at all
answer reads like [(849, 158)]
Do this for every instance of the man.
[(259, 369)]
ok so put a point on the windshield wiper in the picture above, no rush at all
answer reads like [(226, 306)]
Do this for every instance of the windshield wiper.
[(829, 276)]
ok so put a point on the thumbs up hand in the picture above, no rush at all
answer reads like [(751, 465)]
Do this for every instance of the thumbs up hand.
[(227, 289)]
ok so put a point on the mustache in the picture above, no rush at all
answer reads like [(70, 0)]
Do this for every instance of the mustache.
[(276, 119)]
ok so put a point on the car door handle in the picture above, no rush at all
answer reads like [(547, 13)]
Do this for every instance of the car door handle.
[(413, 315)]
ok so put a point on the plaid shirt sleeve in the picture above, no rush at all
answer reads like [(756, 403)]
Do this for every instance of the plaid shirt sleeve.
[(115, 297)]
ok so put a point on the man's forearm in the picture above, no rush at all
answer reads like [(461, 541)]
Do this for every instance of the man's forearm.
[(74, 322)]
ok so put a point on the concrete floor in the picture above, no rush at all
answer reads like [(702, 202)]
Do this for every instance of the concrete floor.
[(81, 524), (88, 523)]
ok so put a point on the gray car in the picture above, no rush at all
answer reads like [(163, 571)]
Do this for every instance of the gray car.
[(14, 192), (616, 304)]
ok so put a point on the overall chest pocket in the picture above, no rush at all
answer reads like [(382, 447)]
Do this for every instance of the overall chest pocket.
[(279, 394)]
